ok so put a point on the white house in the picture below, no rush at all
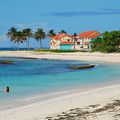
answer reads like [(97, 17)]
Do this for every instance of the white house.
[(79, 42)]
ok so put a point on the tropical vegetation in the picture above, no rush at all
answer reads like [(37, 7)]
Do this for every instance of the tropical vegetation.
[(12, 35), (27, 33), (51, 33), (110, 42), (75, 34), (39, 36), (23, 36), (20, 36)]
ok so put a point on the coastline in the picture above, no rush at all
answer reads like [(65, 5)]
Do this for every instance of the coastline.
[(79, 56), (15, 103), (77, 99), (52, 107)]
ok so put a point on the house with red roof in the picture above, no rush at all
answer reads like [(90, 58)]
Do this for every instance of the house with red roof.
[(62, 41), (85, 38), (68, 42)]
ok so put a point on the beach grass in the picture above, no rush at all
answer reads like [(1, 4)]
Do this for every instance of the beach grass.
[(59, 51)]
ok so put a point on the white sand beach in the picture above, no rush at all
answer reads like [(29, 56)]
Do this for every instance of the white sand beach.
[(83, 56), (95, 104), (55, 106)]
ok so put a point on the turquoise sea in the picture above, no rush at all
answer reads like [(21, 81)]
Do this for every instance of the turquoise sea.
[(33, 77)]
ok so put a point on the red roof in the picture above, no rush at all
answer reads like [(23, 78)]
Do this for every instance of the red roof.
[(60, 35), (67, 42), (89, 34)]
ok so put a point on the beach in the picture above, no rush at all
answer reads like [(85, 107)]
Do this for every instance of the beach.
[(100, 103), (77, 100), (81, 56)]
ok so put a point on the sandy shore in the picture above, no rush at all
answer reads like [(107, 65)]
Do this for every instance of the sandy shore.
[(90, 101), (84, 56), (95, 104)]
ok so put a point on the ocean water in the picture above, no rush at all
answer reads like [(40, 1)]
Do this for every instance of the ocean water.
[(32, 77), (12, 49), (23, 48)]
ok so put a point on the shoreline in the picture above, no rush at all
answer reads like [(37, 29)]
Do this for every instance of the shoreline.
[(62, 103), (78, 56), (16, 103), (39, 110)]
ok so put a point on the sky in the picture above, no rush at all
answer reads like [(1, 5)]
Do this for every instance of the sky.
[(71, 15)]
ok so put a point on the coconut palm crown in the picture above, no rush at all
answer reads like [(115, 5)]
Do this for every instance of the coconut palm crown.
[(51, 33), (39, 35), (12, 32), (27, 35), (20, 38)]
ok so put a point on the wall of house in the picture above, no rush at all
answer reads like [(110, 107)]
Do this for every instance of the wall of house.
[(66, 47), (66, 38), (56, 44), (78, 46)]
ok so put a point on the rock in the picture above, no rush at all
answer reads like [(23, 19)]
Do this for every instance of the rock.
[(82, 67), (6, 62), (26, 58), (44, 59)]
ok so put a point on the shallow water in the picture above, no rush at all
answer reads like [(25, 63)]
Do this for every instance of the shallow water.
[(28, 77)]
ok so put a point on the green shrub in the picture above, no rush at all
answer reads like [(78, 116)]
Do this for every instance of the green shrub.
[(109, 43)]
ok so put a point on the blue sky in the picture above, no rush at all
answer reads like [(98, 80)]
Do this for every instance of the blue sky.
[(70, 15)]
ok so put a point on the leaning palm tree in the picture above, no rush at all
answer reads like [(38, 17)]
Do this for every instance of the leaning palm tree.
[(39, 35), (51, 33), (27, 34), (12, 34)]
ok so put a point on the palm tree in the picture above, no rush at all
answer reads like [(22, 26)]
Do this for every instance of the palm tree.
[(51, 33), (39, 35), (20, 38), (62, 31), (12, 34), (75, 34), (27, 34)]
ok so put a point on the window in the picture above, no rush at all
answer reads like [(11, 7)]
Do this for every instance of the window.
[(78, 43), (76, 40)]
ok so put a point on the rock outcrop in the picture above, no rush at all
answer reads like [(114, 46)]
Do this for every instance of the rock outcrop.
[(82, 67), (6, 62)]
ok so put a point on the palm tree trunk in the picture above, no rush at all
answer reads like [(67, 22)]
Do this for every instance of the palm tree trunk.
[(41, 44), (28, 44), (18, 46), (74, 44), (15, 46)]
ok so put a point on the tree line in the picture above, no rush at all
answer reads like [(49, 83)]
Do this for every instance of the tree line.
[(110, 42), (23, 36), (20, 36)]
